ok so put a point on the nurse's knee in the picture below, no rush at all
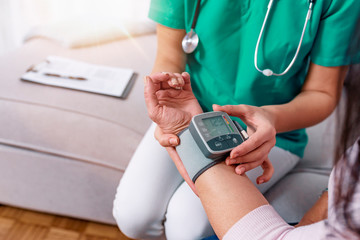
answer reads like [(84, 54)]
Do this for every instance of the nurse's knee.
[(182, 224), (185, 217), (133, 220)]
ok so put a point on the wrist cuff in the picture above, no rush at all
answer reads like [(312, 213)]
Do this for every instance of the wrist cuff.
[(192, 157)]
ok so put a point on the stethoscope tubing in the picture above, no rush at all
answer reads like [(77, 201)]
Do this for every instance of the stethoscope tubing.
[(269, 72), (191, 39), (196, 16)]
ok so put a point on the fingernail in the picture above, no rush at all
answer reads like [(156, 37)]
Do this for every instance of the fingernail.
[(235, 155), (216, 105), (173, 141), (147, 79), (185, 74), (231, 161), (261, 181), (180, 80), (174, 81), (241, 171), (165, 73)]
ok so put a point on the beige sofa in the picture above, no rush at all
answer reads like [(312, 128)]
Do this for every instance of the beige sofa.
[(64, 151)]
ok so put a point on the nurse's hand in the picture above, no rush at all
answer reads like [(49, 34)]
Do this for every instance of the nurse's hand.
[(171, 104), (253, 152)]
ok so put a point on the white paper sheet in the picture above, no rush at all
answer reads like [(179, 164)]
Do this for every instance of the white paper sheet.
[(106, 80)]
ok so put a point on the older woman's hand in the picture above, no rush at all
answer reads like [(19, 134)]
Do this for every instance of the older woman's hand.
[(171, 104), (253, 152)]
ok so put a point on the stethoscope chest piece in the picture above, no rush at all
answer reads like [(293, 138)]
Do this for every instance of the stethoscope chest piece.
[(190, 41)]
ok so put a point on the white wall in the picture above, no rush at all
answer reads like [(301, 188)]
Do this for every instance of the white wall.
[(17, 17), (7, 38)]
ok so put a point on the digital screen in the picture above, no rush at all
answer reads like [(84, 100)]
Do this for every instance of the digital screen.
[(216, 126)]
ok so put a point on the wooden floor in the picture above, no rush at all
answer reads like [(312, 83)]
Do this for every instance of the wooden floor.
[(20, 224)]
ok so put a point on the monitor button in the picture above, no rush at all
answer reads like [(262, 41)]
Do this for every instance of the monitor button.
[(234, 141), (220, 139), (218, 144), (224, 145)]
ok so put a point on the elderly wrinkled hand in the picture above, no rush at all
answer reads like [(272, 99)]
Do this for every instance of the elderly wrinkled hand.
[(171, 104)]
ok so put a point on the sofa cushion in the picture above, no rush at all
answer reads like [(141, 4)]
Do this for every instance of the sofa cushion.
[(73, 124), (57, 185)]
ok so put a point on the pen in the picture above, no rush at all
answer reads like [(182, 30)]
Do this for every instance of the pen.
[(62, 76)]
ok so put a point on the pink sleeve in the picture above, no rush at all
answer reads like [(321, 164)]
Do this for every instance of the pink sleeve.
[(266, 224)]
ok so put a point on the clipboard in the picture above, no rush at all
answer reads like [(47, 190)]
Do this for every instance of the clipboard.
[(72, 74)]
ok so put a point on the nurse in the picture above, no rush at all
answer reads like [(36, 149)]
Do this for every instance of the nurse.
[(152, 199)]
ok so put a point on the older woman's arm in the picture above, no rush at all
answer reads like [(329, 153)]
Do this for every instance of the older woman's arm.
[(237, 210), (227, 197)]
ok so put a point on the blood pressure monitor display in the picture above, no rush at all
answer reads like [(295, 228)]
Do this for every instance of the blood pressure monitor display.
[(216, 126), (215, 133)]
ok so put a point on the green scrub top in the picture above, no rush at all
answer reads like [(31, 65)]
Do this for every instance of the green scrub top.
[(222, 67)]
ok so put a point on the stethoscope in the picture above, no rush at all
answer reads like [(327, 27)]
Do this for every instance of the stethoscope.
[(191, 39)]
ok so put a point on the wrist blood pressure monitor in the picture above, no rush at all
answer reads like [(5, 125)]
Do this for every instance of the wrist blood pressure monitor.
[(207, 141)]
